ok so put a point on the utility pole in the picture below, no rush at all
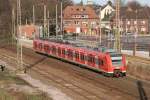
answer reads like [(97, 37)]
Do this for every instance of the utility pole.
[(48, 25), (33, 19), (26, 21), (45, 31), (61, 19), (13, 25), (117, 34), (135, 35), (19, 43), (56, 21), (100, 32)]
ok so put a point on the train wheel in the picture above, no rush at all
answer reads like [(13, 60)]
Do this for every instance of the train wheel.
[(117, 75), (123, 74)]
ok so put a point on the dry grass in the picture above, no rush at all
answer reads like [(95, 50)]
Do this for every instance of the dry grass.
[(13, 93), (139, 67)]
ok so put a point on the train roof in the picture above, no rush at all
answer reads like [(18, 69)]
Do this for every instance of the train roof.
[(75, 45)]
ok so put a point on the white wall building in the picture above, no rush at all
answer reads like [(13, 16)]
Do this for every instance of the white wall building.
[(89, 2), (107, 9)]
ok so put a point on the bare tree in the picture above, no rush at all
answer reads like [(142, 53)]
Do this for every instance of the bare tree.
[(134, 5)]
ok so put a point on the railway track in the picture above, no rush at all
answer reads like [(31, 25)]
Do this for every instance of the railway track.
[(81, 74), (50, 76), (58, 80)]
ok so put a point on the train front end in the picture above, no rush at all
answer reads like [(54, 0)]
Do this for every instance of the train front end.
[(117, 64)]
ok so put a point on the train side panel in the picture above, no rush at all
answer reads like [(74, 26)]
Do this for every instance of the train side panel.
[(100, 62)]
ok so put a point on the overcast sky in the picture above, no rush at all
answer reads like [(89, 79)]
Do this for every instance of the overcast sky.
[(143, 2)]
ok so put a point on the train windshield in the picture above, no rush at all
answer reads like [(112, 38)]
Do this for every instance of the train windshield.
[(116, 59)]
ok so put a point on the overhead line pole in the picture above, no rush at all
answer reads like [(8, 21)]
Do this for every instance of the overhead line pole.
[(117, 35), (48, 25), (33, 19), (56, 21), (61, 19), (21, 62), (45, 31), (13, 25), (100, 31), (19, 43), (18, 62)]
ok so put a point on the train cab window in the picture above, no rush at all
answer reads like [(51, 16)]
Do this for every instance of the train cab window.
[(100, 62), (82, 57)]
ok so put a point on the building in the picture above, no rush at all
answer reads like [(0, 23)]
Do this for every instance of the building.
[(80, 19), (105, 13), (107, 10), (90, 2), (134, 21), (28, 31)]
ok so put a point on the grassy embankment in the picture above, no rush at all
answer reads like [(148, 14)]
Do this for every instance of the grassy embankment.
[(139, 67), (10, 89)]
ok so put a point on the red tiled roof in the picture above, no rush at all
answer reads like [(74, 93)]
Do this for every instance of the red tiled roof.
[(79, 10), (28, 29)]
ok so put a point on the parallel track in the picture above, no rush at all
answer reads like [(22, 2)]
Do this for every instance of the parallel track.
[(83, 76)]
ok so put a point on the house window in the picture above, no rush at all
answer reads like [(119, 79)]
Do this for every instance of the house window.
[(128, 22), (143, 29), (135, 22), (82, 16), (77, 22), (143, 22)]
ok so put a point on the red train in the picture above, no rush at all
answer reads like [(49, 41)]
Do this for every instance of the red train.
[(110, 63)]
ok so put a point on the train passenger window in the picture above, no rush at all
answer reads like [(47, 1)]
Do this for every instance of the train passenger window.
[(70, 53), (46, 48), (82, 57), (40, 46), (53, 49), (77, 55), (91, 59), (59, 50), (63, 52)]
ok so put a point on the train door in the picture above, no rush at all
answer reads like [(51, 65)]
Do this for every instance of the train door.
[(50, 49), (35, 46), (91, 60), (54, 50), (59, 51), (70, 54), (82, 58), (76, 56), (100, 63), (46, 48), (40, 47), (63, 53)]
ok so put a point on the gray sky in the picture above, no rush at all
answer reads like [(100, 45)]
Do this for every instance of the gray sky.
[(143, 2)]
